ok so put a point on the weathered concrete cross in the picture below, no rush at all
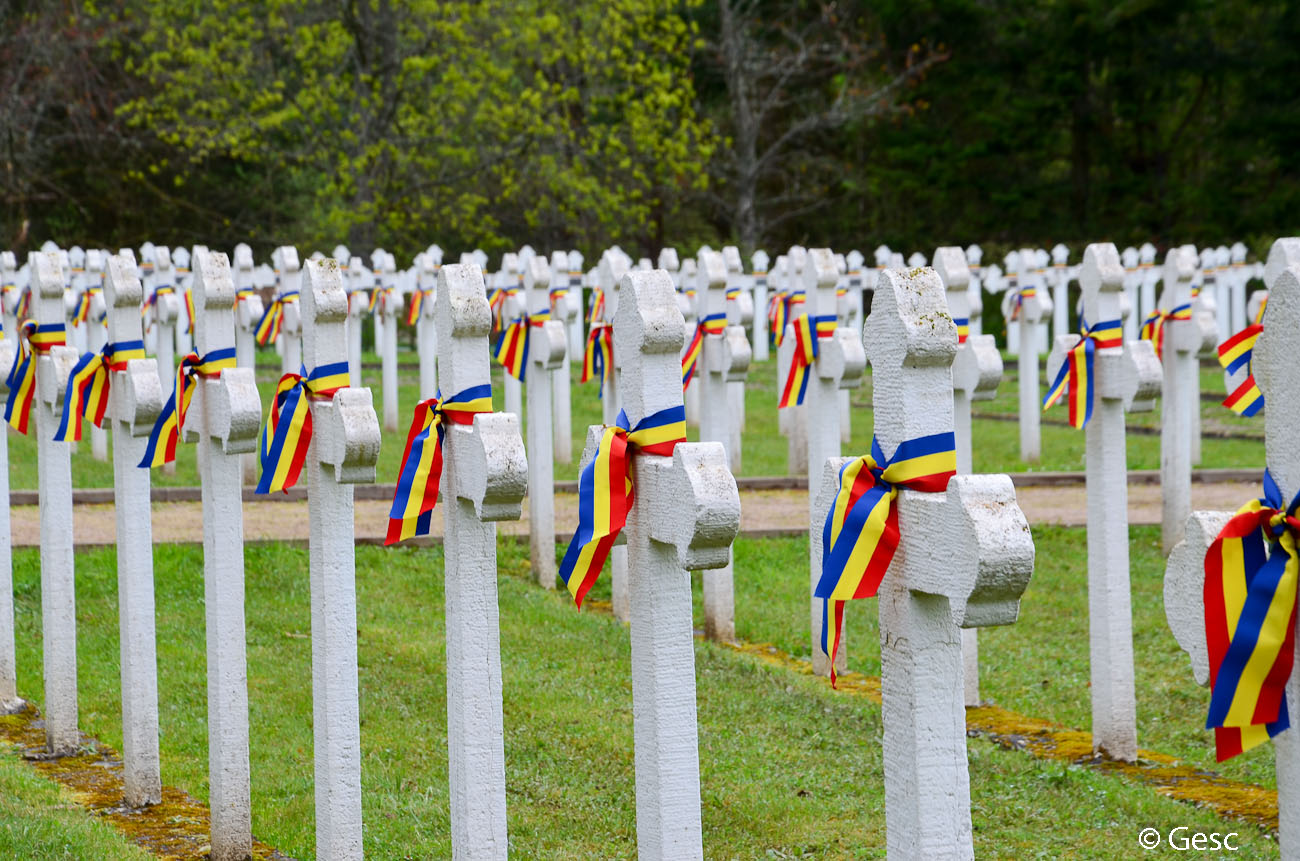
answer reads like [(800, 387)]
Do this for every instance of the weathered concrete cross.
[(686, 514), (388, 309), (248, 313), (1126, 378), (358, 306), (547, 344), (9, 699), (609, 277), (135, 399), (976, 373), (289, 342), (510, 279), (164, 309), (565, 307), (426, 336), (964, 558), (759, 261), (483, 481), (1279, 378), (97, 333), (343, 451), (54, 471), (224, 418), (1027, 306)]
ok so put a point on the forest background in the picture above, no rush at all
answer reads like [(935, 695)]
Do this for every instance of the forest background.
[(494, 123)]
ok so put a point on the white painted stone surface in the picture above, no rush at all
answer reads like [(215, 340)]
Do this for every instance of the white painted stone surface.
[(484, 477), (760, 261), (1125, 378), (546, 353), (9, 699), (358, 308), (568, 311), (224, 418), (1033, 310), (135, 400), (248, 313)]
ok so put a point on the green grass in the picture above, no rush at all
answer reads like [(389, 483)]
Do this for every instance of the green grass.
[(38, 820), (789, 767), (996, 443)]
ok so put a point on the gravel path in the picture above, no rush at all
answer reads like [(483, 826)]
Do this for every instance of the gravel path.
[(763, 511)]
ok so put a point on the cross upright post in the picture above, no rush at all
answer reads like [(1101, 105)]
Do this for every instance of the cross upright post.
[(54, 471), (976, 373), (343, 450), (1125, 377), (9, 700), (289, 341), (1028, 306), (609, 276), (164, 309), (974, 254), (510, 280), (387, 309), (484, 477), (546, 352), (9, 292), (567, 308), (224, 418), (759, 261), (135, 400), (358, 307), (796, 417), (964, 558)]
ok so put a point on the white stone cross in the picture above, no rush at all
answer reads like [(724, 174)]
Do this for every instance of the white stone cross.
[(135, 400), (1237, 263), (964, 558), (1060, 290), (510, 279), (224, 418), (740, 312), (9, 292), (686, 514), (793, 420), (97, 333), (164, 310), (1276, 372), (840, 364), (1151, 273), (566, 308), (976, 373), (723, 358), (248, 313), (609, 276), (343, 451), (387, 311), (54, 471), (1125, 378), (1028, 319), (1183, 340), (9, 699), (577, 334), (547, 343), (484, 477), (426, 337), (760, 261), (289, 342), (358, 307)]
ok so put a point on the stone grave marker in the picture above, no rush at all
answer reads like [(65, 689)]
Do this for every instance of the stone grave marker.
[(94, 319), (964, 558), (420, 315), (609, 278), (1026, 306), (974, 254), (9, 699), (795, 415), (544, 345), (358, 308), (509, 280), (759, 261), (1060, 278), (388, 309), (289, 336), (1125, 377), (565, 307)]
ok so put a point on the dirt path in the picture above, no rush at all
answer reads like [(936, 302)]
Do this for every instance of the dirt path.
[(762, 512)]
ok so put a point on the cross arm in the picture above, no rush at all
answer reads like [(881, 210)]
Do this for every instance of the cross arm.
[(249, 311), (58, 364), (136, 397), (490, 467), (548, 345), (732, 361), (970, 544), (977, 368), (1184, 588), (234, 411), (700, 506), (841, 357), (347, 431)]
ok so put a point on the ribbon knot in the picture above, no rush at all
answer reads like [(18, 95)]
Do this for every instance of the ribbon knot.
[(860, 535), (287, 433), (86, 394), (1251, 574), (1235, 353), (606, 492), (268, 328), (166, 430), (598, 358), (808, 332), (421, 471), (34, 339), (511, 349), (1076, 373), (1153, 327), (712, 324)]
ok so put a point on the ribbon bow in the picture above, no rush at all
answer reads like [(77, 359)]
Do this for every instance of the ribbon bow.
[(1246, 399), (861, 531), (34, 339), (511, 349), (808, 331), (268, 328), (421, 470), (712, 324), (598, 359), (605, 491), (86, 394), (166, 430), (1076, 371), (1251, 573), (287, 433), (777, 310), (1153, 327)]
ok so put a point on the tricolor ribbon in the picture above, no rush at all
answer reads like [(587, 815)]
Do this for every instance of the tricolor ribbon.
[(1153, 328), (1259, 315), (421, 471), (1235, 353), (413, 309), (732, 294), (152, 301), (1250, 614), (86, 395), (161, 448), (861, 531), (189, 310), (81, 313), (555, 294), (597, 313), (287, 433), (963, 328), (808, 331), (268, 328), (778, 307), (605, 491), (712, 324), (497, 302), (598, 359), (1076, 373), (24, 303), (1018, 299), (511, 349), (34, 339)]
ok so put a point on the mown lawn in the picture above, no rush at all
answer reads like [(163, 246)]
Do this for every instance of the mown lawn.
[(790, 768), (996, 444)]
